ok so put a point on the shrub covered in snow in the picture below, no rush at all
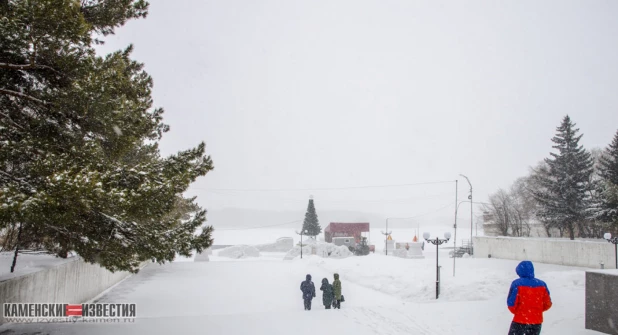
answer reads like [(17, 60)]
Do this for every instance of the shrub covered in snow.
[(239, 251)]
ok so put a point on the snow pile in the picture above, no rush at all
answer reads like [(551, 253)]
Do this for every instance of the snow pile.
[(283, 244), (239, 251), (414, 251), (295, 252), (326, 250), (202, 257), (333, 251), (29, 263)]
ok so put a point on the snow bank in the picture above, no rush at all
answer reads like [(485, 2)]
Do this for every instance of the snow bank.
[(326, 250), (28, 263), (414, 281), (333, 251), (283, 244), (415, 251), (239, 251)]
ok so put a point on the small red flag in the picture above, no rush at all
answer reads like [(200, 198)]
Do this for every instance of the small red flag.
[(74, 310)]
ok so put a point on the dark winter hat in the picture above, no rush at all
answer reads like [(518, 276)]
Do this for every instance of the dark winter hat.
[(336, 276), (308, 277)]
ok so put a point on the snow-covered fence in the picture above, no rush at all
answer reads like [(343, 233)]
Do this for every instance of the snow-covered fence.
[(72, 282), (547, 250)]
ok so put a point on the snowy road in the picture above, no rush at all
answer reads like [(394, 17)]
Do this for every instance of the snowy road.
[(262, 296)]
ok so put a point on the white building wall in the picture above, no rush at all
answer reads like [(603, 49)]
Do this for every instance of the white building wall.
[(548, 250)]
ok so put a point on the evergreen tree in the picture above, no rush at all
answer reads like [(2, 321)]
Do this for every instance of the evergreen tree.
[(563, 194), (608, 170), (311, 225), (80, 168)]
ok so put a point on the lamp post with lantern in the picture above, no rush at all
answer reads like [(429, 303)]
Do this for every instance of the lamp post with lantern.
[(437, 241)]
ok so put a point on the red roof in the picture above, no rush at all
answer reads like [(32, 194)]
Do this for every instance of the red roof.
[(347, 226)]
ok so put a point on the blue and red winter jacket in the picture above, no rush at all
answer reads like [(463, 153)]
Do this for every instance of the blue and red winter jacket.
[(528, 297)]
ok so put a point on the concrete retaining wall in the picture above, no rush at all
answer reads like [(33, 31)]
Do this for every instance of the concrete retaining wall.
[(545, 250), (72, 282), (601, 297)]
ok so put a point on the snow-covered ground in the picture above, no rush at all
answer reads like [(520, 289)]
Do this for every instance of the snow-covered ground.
[(27, 263), (384, 295)]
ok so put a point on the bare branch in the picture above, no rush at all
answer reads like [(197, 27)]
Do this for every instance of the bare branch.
[(8, 117), (24, 96), (26, 67)]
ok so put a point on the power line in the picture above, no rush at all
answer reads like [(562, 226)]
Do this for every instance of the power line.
[(322, 188), (296, 221), (274, 225)]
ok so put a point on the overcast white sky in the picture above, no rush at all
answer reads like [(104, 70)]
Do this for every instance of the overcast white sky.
[(295, 94)]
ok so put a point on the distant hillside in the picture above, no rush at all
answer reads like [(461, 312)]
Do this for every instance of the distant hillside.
[(249, 218)]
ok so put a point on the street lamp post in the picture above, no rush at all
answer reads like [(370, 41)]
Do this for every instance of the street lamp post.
[(471, 218), (301, 243), (614, 240), (386, 233), (437, 241)]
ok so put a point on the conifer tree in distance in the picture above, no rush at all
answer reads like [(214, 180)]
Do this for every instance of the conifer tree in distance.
[(311, 225)]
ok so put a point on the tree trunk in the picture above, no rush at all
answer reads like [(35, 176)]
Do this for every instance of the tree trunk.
[(547, 229), (16, 250)]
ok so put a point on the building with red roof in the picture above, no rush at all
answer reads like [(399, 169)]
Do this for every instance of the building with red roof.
[(346, 229)]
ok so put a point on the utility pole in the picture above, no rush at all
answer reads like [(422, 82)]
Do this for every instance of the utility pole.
[(471, 217), (386, 233), (455, 228)]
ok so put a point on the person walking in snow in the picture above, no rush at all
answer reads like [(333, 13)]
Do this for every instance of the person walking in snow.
[(528, 299), (308, 290), (337, 292), (327, 293)]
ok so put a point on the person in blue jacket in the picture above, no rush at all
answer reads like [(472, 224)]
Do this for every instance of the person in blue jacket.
[(528, 299), (308, 290)]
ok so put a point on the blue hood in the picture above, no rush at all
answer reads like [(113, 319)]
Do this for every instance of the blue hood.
[(525, 269)]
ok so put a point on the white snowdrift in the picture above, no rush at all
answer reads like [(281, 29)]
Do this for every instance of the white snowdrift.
[(239, 251), (283, 244), (326, 250)]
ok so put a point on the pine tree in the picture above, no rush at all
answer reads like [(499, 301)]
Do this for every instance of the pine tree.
[(311, 225), (608, 170), (563, 194), (80, 168)]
